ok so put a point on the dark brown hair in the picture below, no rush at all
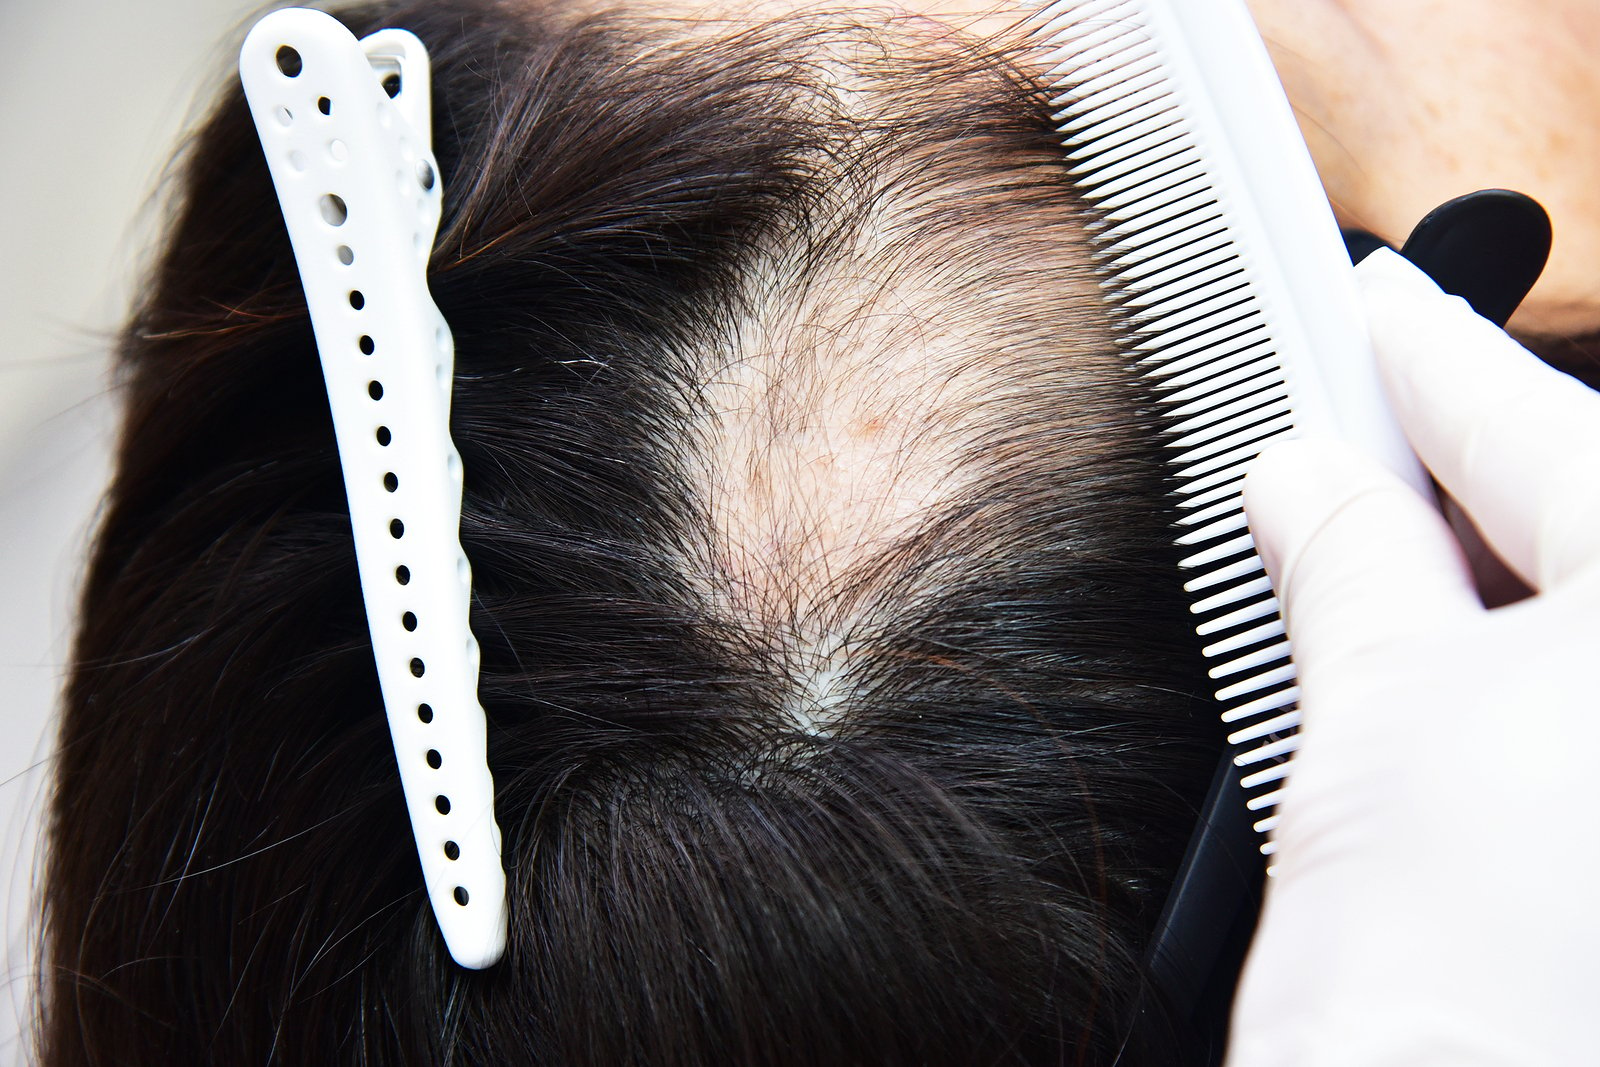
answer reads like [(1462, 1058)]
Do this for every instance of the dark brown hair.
[(839, 687)]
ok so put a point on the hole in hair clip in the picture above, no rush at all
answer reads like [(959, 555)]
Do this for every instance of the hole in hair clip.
[(462, 570), (397, 529), (434, 759), (297, 160), (418, 668), (375, 390), (425, 712), (461, 895), (442, 804), (358, 300), (452, 851), (334, 211), (425, 176), (367, 345), (324, 105), (338, 151), (441, 338), (391, 482), (402, 574), (346, 256), (409, 621), (384, 436), (289, 62), (391, 85), (284, 115)]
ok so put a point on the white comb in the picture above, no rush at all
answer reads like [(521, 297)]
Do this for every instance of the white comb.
[(1220, 244)]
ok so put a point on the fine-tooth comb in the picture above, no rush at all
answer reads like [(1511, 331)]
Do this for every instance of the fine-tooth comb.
[(1219, 249)]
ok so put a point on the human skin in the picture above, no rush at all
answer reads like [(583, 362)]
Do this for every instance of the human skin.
[(1407, 103)]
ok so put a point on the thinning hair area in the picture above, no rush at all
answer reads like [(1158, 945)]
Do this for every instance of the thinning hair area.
[(843, 705)]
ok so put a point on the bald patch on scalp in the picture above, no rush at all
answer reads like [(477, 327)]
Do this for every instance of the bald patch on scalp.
[(930, 298)]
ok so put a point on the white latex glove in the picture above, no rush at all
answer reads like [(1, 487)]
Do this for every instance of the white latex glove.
[(1437, 894)]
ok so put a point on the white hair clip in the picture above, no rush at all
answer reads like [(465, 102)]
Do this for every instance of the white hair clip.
[(360, 192)]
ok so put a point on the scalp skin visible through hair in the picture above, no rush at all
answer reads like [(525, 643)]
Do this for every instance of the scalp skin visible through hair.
[(841, 695)]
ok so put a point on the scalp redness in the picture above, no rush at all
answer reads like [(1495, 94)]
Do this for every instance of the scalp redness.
[(839, 691)]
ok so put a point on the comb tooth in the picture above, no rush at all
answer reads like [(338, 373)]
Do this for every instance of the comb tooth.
[(1232, 505), (1225, 525), (1268, 824), (1251, 660), (1272, 702), (1223, 574), (1276, 725), (1193, 497), (1265, 800), (1244, 639), (1231, 596), (1258, 610), (1258, 683), (1275, 773), (1217, 553), (1282, 747)]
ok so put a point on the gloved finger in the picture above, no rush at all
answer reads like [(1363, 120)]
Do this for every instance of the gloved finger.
[(1356, 555), (1516, 442)]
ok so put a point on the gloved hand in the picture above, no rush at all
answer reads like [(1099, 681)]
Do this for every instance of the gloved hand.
[(1437, 893)]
